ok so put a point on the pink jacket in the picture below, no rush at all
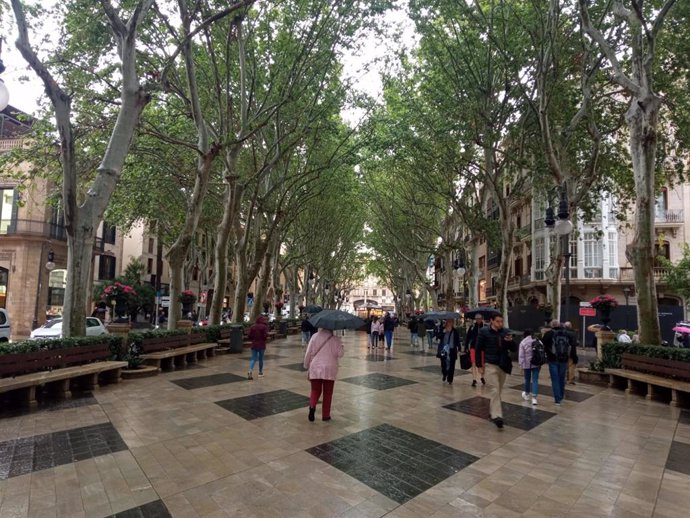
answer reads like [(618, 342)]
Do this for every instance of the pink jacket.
[(377, 327), (525, 353), (321, 358)]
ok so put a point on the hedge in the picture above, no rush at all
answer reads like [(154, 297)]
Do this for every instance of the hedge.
[(28, 346), (612, 353), (138, 337), (213, 332)]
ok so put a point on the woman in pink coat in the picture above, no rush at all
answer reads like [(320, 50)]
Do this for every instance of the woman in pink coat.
[(321, 360)]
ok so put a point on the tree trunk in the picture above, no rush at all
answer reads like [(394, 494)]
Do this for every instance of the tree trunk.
[(79, 266), (553, 275), (242, 287), (262, 287), (642, 118), (176, 262)]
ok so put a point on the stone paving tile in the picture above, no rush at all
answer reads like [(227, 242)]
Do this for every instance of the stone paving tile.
[(265, 404), (679, 457), (207, 381), (570, 395), (378, 381), (267, 357), (417, 352), (52, 405), (684, 417), (394, 462), (156, 509), (436, 369), (29, 454), (522, 417), (377, 357), (299, 367)]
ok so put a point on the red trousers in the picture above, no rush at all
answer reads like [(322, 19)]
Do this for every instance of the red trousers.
[(316, 387)]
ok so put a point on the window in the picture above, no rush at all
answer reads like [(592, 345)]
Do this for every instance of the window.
[(106, 268), (539, 254), (150, 245), (92, 322), (56, 296), (482, 263), (613, 249), (594, 255), (573, 252), (383, 293), (149, 266), (109, 234), (373, 294), (7, 209)]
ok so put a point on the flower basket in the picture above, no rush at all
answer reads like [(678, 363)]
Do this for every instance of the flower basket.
[(604, 304), (118, 295), (187, 297)]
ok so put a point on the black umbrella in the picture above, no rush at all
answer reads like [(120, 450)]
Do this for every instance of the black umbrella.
[(313, 308), (487, 313), (440, 315), (336, 319)]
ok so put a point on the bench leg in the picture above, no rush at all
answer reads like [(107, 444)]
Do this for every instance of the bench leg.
[(210, 352), (111, 376), (24, 396), (201, 355), (674, 398), (180, 362), (86, 382), (59, 389), (650, 391), (167, 364), (191, 357)]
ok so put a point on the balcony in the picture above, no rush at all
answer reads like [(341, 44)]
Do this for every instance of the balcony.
[(523, 232), (10, 144), (669, 218), (28, 227), (493, 261), (626, 274)]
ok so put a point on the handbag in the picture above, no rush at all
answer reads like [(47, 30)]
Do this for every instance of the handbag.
[(465, 361)]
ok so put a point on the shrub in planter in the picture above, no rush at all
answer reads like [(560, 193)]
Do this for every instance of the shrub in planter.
[(612, 354), (213, 332), (29, 346), (139, 336)]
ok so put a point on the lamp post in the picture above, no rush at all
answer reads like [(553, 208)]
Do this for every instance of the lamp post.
[(326, 291), (459, 273), (626, 293), (563, 227)]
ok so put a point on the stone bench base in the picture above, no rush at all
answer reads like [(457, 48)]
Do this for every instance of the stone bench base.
[(676, 393), (180, 357)]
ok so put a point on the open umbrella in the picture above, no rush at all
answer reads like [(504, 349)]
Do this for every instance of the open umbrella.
[(336, 319), (487, 313), (440, 315), (313, 308), (681, 329)]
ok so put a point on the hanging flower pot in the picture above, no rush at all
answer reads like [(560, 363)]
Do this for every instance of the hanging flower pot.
[(187, 299), (604, 304), (118, 296)]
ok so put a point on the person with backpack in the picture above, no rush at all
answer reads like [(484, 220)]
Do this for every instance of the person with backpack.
[(560, 346), (531, 357)]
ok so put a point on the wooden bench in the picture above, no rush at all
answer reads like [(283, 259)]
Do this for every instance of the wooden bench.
[(655, 378), (191, 350), (224, 337), (60, 382)]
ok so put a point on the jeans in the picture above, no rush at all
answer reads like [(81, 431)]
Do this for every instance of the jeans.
[(557, 371), (375, 339), (389, 338), (257, 354), (306, 336), (531, 381), (430, 337), (327, 387), (413, 338)]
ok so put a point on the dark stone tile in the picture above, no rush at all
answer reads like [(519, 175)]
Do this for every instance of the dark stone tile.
[(378, 381), (523, 417), (679, 457), (155, 509), (208, 381), (265, 404), (684, 417), (295, 367), (394, 462), (570, 395), (436, 369), (29, 454)]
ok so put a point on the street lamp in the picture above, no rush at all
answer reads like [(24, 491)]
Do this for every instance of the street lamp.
[(563, 227), (50, 264), (626, 293)]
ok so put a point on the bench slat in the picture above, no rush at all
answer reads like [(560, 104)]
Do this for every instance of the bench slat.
[(40, 378)]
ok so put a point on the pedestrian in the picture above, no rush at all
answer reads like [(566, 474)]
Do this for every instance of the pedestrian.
[(421, 331), (258, 334), (388, 329), (376, 330), (559, 346), (572, 363), (412, 326), (321, 362), (623, 337), (530, 359), (306, 327), (472, 336), (368, 323), (430, 326), (448, 348), (493, 352)]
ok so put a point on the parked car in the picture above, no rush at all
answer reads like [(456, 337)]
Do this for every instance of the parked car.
[(4, 326), (53, 329)]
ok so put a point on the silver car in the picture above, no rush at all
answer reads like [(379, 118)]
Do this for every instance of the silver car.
[(53, 329)]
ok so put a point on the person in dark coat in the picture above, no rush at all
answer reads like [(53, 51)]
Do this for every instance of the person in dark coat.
[(412, 326), (493, 352), (258, 334), (421, 331), (388, 329), (560, 346), (448, 349), (472, 336), (430, 326)]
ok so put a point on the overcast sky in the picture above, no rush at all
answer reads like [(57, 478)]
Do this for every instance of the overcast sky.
[(25, 94)]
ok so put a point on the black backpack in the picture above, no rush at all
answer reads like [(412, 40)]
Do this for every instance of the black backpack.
[(538, 354), (561, 345)]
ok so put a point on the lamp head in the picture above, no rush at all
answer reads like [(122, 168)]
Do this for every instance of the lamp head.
[(549, 220), (563, 227)]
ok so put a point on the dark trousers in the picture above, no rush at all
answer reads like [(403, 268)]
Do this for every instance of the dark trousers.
[(327, 387), (448, 365)]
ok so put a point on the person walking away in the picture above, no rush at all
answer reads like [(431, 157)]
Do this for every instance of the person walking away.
[(388, 329), (376, 330), (530, 358), (258, 334), (448, 349), (559, 346), (412, 326), (493, 352), (472, 336), (368, 322), (572, 363), (321, 361), (306, 327), (421, 332), (430, 326)]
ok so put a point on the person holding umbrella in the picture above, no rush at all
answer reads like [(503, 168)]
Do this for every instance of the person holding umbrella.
[(448, 349)]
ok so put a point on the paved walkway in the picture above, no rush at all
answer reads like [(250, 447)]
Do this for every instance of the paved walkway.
[(205, 442)]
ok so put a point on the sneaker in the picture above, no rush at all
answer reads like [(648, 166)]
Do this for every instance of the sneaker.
[(444, 377), (534, 401), (250, 376), (474, 383), (525, 395), (312, 412), (558, 403), (261, 375), (498, 421), (483, 381)]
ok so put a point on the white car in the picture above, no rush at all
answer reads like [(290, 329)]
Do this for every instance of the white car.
[(4, 326), (53, 329)]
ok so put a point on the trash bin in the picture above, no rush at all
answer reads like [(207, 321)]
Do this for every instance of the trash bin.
[(283, 327), (236, 338)]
